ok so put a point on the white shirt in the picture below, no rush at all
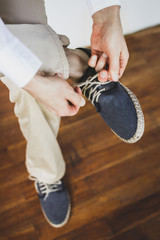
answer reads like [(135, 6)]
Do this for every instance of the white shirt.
[(96, 5), (17, 62)]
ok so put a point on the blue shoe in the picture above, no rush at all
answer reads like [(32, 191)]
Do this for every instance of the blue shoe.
[(55, 202), (116, 104)]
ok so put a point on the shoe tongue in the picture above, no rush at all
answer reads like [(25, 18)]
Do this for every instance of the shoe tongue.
[(60, 187)]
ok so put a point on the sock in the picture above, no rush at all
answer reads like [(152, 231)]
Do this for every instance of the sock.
[(78, 62)]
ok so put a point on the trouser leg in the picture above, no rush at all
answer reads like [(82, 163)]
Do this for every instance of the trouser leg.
[(44, 160)]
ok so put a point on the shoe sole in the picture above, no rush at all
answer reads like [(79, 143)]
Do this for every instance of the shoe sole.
[(65, 220), (140, 118)]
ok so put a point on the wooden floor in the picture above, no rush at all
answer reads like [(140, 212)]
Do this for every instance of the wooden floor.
[(114, 186)]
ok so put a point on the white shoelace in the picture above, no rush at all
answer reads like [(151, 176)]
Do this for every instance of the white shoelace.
[(48, 188), (94, 94)]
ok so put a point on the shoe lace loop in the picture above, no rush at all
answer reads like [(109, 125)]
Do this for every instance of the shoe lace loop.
[(48, 188), (94, 94)]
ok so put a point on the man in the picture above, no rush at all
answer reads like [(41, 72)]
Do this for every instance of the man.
[(40, 92)]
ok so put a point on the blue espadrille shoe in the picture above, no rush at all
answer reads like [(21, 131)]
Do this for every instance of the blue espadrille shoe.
[(55, 202), (116, 104)]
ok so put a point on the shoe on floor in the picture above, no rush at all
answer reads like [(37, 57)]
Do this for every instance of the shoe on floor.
[(116, 104), (55, 202)]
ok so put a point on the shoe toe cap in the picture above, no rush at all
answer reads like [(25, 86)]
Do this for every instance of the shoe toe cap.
[(119, 112), (56, 207)]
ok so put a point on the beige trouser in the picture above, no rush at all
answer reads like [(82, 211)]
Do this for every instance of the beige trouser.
[(27, 20)]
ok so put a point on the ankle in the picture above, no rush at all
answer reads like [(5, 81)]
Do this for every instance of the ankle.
[(78, 62)]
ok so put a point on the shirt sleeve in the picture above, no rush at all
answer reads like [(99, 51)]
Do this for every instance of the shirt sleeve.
[(96, 5), (16, 61)]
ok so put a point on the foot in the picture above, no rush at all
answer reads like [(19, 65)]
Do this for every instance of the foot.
[(116, 104), (78, 62), (54, 202)]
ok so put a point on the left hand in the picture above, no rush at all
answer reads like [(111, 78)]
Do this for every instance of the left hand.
[(108, 45)]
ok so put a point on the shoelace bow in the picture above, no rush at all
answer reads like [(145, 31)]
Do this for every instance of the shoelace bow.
[(48, 188), (94, 94)]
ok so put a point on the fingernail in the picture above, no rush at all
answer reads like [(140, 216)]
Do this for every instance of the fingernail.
[(115, 77), (94, 57), (104, 55), (83, 102), (103, 74), (60, 75)]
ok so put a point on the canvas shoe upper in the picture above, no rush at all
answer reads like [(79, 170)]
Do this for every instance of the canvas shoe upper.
[(116, 104), (54, 202)]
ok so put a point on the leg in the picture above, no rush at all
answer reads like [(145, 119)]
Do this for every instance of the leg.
[(78, 62), (44, 160)]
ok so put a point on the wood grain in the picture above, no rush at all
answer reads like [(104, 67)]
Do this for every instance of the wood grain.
[(114, 186)]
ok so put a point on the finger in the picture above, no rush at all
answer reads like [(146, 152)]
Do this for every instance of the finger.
[(92, 61), (78, 90), (101, 62), (70, 109), (114, 67), (103, 76), (96, 52), (62, 109), (73, 110), (75, 98), (67, 109), (124, 56)]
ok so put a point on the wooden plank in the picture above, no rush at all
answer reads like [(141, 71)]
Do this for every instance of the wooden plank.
[(79, 168), (9, 131), (5, 160), (106, 202), (75, 150), (121, 223), (17, 152), (12, 175), (144, 231), (114, 187), (138, 213), (92, 231)]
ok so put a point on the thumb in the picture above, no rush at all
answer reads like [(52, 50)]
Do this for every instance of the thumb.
[(82, 101), (114, 67), (75, 98)]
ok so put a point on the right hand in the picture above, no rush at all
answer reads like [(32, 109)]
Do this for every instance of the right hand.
[(58, 96), (108, 44)]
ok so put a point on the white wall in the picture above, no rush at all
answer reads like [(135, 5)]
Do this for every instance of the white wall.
[(139, 14), (71, 18)]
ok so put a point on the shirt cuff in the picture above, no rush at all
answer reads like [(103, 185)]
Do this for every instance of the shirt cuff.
[(96, 5), (18, 62)]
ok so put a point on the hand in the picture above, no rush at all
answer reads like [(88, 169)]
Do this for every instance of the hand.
[(108, 44), (58, 96)]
